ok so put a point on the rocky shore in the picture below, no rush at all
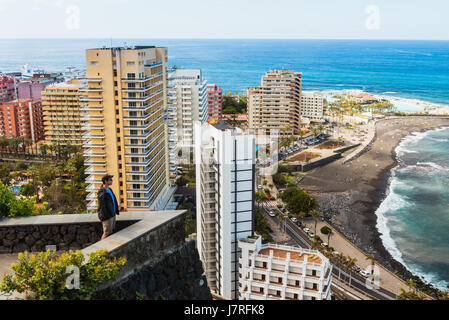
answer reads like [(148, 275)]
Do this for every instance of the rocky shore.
[(349, 194)]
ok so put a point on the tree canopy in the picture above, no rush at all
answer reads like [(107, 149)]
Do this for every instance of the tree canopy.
[(298, 200)]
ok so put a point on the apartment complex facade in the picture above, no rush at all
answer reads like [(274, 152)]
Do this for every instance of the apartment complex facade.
[(22, 118), (275, 106), (8, 88), (125, 132), (225, 188), (274, 272), (214, 101), (312, 106), (187, 103), (63, 117), (33, 88)]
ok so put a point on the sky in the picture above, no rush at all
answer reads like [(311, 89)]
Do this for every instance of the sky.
[(261, 19)]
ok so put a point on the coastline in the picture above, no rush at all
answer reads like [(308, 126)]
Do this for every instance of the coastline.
[(351, 199)]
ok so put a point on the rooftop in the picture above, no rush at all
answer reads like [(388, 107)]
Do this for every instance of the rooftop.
[(124, 48), (297, 255)]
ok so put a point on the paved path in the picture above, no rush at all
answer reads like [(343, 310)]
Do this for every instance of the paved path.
[(388, 280)]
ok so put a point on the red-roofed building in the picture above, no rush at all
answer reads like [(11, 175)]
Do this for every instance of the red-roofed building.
[(214, 101), (8, 88), (22, 118)]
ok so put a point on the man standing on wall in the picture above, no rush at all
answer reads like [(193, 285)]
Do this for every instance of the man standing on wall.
[(107, 207)]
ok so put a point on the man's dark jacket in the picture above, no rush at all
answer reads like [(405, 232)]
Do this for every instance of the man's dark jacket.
[(106, 205)]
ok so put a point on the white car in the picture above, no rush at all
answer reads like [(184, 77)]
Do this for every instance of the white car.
[(324, 245), (364, 273), (294, 220), (260, 187), (311, 234), (306, 230), (271, 213)]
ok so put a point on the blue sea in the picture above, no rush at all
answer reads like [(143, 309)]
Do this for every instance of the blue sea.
[(414, 218), (409, 69)]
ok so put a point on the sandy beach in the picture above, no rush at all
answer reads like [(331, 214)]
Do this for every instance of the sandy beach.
[(349, 194)]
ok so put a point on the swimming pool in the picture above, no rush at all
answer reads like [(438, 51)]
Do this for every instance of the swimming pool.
[(16, 190)]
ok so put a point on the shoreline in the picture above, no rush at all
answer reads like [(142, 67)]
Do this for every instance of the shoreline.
[(422, 105), (351, 201)]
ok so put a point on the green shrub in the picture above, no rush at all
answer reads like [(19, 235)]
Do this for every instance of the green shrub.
[(326, 230), (44, 276)]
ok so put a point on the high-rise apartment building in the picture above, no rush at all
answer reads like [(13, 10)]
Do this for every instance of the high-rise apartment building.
[(276, 103), (214, 101), (225, 188), (22, 118), (312, 106), (125, 132), (187, 103), (63, 118), (274, 272), (8, 88)]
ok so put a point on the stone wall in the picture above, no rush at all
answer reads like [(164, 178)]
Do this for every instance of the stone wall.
[(177, 275), (160, 263), (35, 238)]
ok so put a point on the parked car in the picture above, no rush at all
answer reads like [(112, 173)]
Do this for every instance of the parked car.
[(324, 245), (260, 187), (282, 209), (306, 230), (311, 234), (294, 220), (365, 273), (271, 213)]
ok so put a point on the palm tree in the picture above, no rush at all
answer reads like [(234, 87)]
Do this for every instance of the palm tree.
[(412, 285), (351, 263), (329, 237), (316, 215), (14, 144), (4, 143), (301, 134), (371, 258)]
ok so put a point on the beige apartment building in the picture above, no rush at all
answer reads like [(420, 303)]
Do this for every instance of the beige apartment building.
[(276, 104), (125, 133), (62, 113), (312, 106)]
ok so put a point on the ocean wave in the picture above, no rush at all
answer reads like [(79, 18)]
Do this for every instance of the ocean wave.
[(433, 165), (405, 146), (393, 201)]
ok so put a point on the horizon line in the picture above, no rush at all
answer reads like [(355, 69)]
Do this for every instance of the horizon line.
[(225, 38)]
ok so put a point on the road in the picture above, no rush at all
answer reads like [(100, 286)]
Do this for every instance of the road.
[(353, 279)]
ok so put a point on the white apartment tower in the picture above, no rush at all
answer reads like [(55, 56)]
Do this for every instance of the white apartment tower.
[(274, 272), (225, 175), (187, 102), (312, 106)]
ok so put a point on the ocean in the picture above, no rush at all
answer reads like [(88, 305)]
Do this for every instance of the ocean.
[(409, 69), (414, 217)]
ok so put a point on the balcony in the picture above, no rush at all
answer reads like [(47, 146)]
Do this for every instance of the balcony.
[(140, 89), (87, 99), (153, 65), (154, 76)]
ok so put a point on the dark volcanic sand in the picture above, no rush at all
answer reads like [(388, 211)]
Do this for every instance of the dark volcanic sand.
[(349, 194)]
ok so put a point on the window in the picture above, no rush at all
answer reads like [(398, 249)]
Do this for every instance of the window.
[(115, 73), (94, 63), (130, 63), (131, 75)]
